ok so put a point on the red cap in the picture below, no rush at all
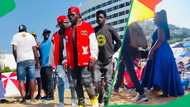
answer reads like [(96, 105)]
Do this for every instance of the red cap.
[(74, 10), (61, 19)]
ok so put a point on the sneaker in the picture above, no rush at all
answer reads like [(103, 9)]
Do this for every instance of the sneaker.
[(80, 105), (38, 97), (74, 102), (140, 98), (94, 102), (44, 98), (47, 98), (23, 100), (4, 101)]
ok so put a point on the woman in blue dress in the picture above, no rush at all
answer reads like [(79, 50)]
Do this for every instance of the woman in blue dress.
[(161, 71)]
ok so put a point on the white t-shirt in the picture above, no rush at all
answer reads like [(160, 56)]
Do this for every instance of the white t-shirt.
[(24, 42)]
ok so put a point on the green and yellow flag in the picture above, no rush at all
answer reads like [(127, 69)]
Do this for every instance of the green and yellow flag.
[(6, 6)]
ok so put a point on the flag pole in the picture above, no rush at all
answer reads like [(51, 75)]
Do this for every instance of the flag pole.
[(114, 76)]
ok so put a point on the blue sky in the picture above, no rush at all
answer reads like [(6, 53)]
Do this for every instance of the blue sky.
[(178, 11), (40, 14)]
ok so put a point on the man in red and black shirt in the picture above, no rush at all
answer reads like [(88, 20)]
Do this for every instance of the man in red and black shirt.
[(82, 51), (59, 55)]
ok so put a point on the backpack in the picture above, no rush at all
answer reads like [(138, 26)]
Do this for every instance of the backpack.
[(136, 36)]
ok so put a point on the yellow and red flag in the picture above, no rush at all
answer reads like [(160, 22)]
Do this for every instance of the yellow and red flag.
[(142, 10)]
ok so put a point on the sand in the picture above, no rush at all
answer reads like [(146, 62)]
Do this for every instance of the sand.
[(124, 97)]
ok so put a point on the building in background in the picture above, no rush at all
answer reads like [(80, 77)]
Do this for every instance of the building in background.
[(117, 12)]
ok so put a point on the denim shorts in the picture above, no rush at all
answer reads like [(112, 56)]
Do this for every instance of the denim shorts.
[(26, 69)]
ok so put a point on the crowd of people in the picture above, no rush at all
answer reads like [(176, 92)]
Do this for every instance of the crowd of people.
[(84, 55)]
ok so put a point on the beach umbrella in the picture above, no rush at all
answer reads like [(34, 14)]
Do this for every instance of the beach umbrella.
[(10, 84)]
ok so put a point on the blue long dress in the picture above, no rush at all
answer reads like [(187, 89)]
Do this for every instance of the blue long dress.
[(162, 70)]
